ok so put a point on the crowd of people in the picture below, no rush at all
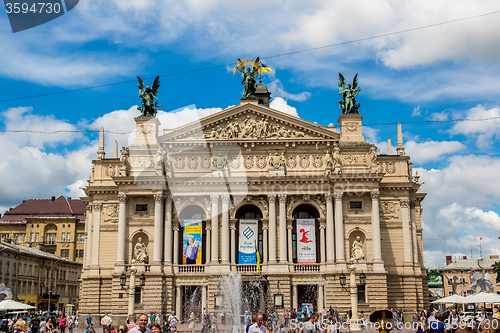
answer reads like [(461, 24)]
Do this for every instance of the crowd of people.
[(40, 323)]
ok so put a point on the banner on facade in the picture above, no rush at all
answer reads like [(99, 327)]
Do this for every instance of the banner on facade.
[(191, 242), (247, 251), (306, 241)]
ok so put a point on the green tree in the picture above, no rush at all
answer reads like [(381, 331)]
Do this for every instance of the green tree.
[(496, 269), (433, 271)]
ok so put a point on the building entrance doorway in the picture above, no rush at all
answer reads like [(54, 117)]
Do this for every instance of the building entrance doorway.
[(191, 302), (307, 294)]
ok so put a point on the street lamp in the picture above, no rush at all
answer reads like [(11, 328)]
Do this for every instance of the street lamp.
[(353, 292), (131, 288)]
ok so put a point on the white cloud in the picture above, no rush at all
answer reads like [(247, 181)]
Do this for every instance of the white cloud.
[(484, 132), (280, 104), (277, 90), (423, 152), (416, 111)]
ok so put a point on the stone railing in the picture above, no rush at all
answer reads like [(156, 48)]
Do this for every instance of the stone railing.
[(306, 268), (246, 268), (191, 269)]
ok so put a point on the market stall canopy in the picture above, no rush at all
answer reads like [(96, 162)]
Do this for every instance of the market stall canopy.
[(13, 305), (451, 300), (483, 298)]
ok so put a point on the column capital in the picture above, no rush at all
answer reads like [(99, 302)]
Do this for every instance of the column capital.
[(375, 195), (158, 197), (214, 198), (289, 227), (328, 197), (88, 207), (122, 197), (225, 199), (97, 207), (282, 198), (338, 195), (404, 203), (271, 198)]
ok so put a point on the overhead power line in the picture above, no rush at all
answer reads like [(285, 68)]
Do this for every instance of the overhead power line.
[(374, 124), (266, 57)]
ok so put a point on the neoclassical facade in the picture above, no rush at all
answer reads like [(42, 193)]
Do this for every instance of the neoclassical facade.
[(253, 163)]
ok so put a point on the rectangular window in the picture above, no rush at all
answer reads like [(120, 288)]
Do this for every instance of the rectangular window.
[(68, 237), (356, 205), (80, 253), (29, 288), (51, 238), (51, 251), (20, 239), (141, 208), (7, 268), (36, 271), (32, 237), (37, 237), (361, 294), (65, 253), (30, 271), (137, 298), (63, 237), (24, 270)]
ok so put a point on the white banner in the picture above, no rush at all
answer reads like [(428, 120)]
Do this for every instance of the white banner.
[(247, 252), (306, 241)]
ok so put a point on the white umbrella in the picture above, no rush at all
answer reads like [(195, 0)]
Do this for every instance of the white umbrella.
[(450, 300), (13, 305), (483, 297)]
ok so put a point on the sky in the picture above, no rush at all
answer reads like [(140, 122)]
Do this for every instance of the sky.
[(431, 65)]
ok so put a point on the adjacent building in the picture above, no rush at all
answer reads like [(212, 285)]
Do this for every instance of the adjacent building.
[(460, 275), (188, 207), (36, 277), (55, 225)]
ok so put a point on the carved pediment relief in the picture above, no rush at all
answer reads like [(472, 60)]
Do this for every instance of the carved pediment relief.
[(250, 122)]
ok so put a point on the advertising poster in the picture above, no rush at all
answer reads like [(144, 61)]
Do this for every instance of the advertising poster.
[(191, 242), (247, 250), (307, 309), (435, 280), (306, 241)]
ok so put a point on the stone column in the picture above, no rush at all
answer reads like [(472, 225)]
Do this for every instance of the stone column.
[(225, 229), (378, 263), (265, 245), (413, 218), (322, 244), (320, 299), (168, 232), (233, 245), (158, 229), (339, 227), (178, 302), (88, 236), (215, 228), (406, 232), (295, 297), (176, 244), (290, 253), (283, 252), (208, 243), (272, 228), (330, 253), (122, 229), (203, 295), (96, 218)]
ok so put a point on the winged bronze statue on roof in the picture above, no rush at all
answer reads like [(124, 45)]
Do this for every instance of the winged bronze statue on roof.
[(349, 93), (249, 75), (149, 101)]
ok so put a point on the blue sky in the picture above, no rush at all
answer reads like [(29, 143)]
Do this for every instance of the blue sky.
[(445, 72)]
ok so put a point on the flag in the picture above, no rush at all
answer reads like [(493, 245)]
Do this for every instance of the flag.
[(264, 68), (258, 258)]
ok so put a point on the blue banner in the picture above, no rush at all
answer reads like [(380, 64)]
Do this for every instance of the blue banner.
[(247, 251)]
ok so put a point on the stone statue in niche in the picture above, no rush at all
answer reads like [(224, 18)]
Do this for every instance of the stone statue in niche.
[(140, 252), (328, 160), (357, 252), (125, 160)]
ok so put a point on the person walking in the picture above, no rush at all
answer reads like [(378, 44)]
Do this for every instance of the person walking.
[(286, 316), (191, 322), (62, 324), (35, 324), (258, 327)]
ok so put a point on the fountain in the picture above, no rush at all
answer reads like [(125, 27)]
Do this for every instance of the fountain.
[(231, 288)]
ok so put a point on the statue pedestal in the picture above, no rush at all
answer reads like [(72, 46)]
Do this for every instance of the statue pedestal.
[(146, 131), (350, 128)]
